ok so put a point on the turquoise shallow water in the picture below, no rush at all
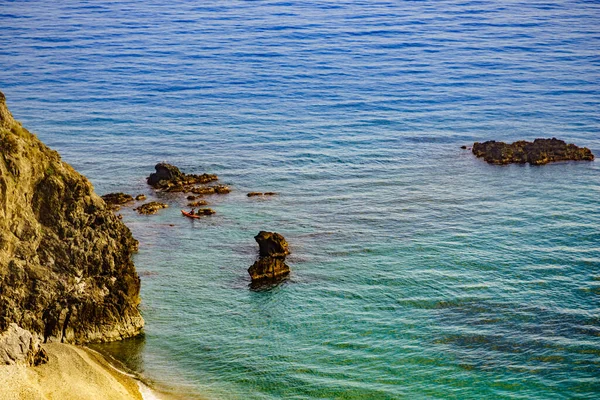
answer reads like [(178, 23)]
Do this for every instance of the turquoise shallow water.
[(418, 270)]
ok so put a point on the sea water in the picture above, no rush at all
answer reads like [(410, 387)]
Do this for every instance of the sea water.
[(418, 271)]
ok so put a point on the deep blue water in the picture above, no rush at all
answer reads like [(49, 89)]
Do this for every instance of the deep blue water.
[(418, 270)]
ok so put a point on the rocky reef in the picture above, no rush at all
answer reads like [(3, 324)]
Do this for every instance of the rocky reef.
[(66, 273), (538, 152), (151, 208), (116, 200), (273, 248), (170, 179)]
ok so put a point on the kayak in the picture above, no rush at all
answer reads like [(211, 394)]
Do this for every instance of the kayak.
[(187, 214)]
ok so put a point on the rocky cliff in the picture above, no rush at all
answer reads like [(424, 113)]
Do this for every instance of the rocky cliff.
[(66, 272)]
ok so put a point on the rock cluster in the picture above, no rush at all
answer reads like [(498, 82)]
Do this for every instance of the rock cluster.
[(151, 208), (538, 152), (66, 272), (273, 248), (169, 178)]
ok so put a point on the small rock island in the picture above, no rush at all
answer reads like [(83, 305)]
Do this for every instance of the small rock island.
[(538, 152), (273, 248)]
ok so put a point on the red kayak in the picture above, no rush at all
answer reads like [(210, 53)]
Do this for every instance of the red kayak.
[(187, 214)]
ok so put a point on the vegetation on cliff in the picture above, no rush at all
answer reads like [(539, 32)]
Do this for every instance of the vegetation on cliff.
[(66, 272)]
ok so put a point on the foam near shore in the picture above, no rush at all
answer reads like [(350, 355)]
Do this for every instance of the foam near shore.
[(71, 373)]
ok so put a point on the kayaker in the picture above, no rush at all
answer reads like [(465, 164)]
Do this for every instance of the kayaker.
[(193, 212)]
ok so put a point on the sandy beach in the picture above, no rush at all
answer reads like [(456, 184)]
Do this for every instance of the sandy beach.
[(71, 373)]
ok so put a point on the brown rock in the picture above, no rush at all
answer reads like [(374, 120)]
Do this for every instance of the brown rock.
[(140, 197), (271, 244), (151, 208), (254, 194), (273, 248), (538, 152), (117, 198), (198, 203)]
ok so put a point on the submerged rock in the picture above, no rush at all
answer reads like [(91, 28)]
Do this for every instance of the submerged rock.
[(538, 152), (66, 272), (198, 203), (273, 248), (140, 197), (256, 194), (151, 208)]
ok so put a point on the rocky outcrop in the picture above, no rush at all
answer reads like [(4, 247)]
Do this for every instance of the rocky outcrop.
[(116, 200), (273, 248), (538, 152), (66, 272), (170, 179), (151, 208)]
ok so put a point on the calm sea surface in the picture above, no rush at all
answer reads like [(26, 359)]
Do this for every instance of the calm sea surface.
[(418, 270)]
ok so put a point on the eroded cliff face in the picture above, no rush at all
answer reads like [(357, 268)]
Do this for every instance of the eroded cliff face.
[(66, 272)]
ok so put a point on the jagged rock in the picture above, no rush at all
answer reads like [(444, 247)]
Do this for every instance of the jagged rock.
[(19, 346), (151, 208), (164, 172), (273, 248), (271, 244), (268, 268), (115, 200), (538, 152), (66, 272), (169, 178), (140, 197), (198, 203)]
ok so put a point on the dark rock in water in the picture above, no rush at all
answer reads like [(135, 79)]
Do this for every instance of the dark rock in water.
[(169, 178), (273, 248), (268, 268), (151, 208), (271, 244), (222, 189), (202, 190), (538, 152), (205, 211), (198, 203), (463, 147), (255, 194), (66, 273), (193, 197), (140, 197), (164, 172), (117, 198)]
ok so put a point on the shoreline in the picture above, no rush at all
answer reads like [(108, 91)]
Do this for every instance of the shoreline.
[(72, 372)]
